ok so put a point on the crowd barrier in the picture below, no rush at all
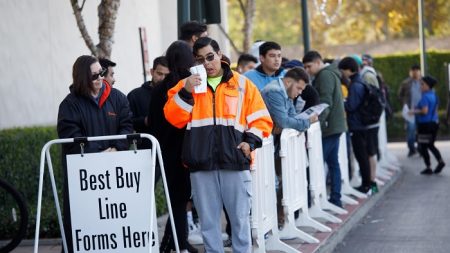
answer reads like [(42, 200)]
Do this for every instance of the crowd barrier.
[(295, 187), (294, 163), (387, 160), (264, 219), (346, 190), (319, 201)]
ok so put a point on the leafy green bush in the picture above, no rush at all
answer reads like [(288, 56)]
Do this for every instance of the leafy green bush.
[(395, 69), (20, 150)]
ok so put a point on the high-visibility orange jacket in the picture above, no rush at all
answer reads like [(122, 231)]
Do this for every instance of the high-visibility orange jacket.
[(217, 122)]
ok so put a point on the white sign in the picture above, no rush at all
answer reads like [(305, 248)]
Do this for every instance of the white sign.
[(110, 202)]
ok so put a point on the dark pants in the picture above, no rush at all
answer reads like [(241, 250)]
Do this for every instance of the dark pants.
[(179, 191), (429, 131), (330, 148), (359, 145)]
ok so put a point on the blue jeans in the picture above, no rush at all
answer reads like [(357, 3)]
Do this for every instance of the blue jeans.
[(330, 147), (411, 135)]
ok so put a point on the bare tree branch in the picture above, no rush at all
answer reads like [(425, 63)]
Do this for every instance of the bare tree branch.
[(241, 4), (82, 27), (107, 14), (82, 5), (229, 39)]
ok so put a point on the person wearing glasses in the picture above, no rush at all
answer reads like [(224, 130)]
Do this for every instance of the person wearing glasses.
[(223, 126), (92, 108)]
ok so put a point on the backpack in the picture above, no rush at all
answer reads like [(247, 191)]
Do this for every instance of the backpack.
[(373, 105)]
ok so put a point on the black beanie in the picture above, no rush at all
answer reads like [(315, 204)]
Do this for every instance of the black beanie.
[(431, 81)]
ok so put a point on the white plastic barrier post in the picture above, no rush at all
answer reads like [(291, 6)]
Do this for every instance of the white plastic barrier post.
[(295, 186), (264, 219), (388, 160), (317, 184), (145, 219), (346, 189)]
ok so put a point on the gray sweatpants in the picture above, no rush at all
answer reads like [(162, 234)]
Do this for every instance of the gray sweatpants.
[(211, 191)]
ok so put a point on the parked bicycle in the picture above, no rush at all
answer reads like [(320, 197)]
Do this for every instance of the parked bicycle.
[(13, 217)]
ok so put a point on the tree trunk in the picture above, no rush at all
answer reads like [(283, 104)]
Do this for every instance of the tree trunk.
[(107, 14), (249, 14), (82, 27)]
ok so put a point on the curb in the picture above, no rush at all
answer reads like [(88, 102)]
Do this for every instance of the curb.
[(338, 236)]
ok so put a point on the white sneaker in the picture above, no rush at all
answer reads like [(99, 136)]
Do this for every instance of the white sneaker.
[(195, 236)]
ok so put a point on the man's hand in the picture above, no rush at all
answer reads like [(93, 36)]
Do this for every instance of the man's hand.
[(313, 118), (110, 150), (245, 148), (192, 81)]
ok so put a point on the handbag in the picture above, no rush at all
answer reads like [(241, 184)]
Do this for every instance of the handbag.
[(424, 138)]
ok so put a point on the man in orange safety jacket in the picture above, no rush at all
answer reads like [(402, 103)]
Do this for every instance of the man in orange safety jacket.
[(223, 126)]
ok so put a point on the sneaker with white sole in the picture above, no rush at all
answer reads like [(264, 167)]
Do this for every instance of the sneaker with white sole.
[(195, 235)]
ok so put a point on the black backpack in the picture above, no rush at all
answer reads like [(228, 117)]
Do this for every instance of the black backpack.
[(373, 105)]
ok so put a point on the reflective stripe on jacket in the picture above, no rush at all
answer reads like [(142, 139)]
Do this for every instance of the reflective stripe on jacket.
[(217, 122)]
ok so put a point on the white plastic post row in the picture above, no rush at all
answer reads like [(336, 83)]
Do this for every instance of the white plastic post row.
[(317, 178), (294, 163), (264, 219), (111, 196), (388, 160), (346, 190)]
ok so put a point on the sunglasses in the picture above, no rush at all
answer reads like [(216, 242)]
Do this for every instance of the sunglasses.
[(101, 74), (208, 58)]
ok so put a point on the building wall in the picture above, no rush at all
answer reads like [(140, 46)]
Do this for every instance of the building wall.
[(40, 41)]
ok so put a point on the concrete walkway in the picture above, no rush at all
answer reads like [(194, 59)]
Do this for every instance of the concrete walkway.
[(412, 217)]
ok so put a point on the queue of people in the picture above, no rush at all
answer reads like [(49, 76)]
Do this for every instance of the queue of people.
[(207, 139)]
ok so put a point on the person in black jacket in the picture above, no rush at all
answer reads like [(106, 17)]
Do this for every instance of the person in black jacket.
[(179, 59), (139, 98), (92, 108)]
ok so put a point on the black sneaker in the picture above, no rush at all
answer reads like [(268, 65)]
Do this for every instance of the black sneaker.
[(427, 171), (363, 189), (227, 243), (411, 153), (374, 187), (439, 167)]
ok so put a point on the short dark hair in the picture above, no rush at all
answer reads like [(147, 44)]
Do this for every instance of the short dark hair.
[(106, 63), (311, 56), (430, 81), (245, 58), (191, 28), (82, 75), (348, 63), (203, 42), (298, 73), (267, 46), (415, 67), (161, 60)]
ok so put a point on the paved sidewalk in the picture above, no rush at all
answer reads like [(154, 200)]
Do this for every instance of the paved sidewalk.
[(328, 241), (412, 217)]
